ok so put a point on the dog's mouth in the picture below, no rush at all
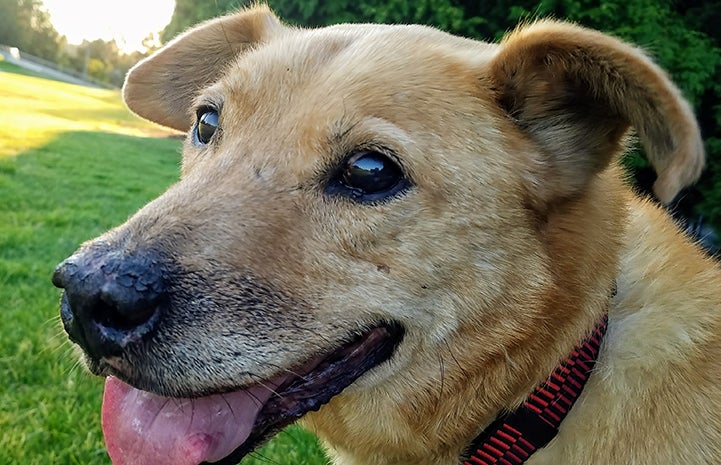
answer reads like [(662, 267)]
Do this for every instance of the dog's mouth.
[(141, 428)]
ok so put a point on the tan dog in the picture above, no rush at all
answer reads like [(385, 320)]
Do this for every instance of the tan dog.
[(426, 223)]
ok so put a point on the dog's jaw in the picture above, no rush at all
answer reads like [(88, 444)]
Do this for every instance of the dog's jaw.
[(143, 428)]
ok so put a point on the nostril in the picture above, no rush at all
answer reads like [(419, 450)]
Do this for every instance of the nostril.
[(125, 309), (124, 318), (129, 299)]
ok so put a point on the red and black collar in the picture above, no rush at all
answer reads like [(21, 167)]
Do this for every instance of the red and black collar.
[(513, 437)]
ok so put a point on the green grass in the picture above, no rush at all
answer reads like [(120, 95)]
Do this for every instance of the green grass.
[(73, 163)]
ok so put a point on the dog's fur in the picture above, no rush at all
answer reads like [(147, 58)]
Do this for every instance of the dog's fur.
[(497, 260)]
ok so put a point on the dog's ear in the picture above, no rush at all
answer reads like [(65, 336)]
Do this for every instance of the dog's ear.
[(162, 87), (576, 92)]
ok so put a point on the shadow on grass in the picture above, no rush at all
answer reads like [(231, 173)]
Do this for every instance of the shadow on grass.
[(52, 198), (76, 187)]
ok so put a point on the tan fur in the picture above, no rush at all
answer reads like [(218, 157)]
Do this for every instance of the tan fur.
[(497, 261)]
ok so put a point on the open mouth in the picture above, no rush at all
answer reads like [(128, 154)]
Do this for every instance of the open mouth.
[(141, 428)]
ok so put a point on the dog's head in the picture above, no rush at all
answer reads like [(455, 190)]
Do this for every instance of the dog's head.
[(387, 209)]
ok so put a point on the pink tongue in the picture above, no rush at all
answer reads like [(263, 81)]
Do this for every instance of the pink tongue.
[(144, 429)]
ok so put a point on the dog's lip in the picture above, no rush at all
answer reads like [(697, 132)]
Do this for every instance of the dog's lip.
[(279, 401), (319, 382)]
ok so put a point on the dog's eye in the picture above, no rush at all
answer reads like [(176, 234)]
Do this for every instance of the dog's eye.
[(207, 125), (369, 176), (370, 172)]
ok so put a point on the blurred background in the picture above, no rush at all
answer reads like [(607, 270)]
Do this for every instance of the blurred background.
[(74, 162), (98, 41)]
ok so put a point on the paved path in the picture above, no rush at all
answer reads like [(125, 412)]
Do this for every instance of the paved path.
[(17, 59)]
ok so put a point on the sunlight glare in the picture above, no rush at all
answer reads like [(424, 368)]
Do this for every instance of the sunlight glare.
[(126, 21)]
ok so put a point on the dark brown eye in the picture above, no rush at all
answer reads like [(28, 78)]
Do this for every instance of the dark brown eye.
[(369, 176), (206, 127), (371, 172)]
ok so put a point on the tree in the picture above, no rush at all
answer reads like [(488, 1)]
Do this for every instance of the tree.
[(26, 25), (190, 12), (103, 61), (683, 37)]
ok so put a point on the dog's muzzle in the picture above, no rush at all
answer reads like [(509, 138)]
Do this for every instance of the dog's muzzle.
[(112, 300)]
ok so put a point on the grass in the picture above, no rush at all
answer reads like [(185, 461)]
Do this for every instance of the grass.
[(35, 110), (73, 163)]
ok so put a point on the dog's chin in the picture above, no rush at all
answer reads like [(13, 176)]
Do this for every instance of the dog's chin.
[(223, 428)]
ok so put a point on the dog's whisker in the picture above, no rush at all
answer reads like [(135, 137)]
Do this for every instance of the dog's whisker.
[(64, 346), (287, 370), (75, 367), (192, 411), (230, 407), (442, 372), (295, 374), (453, 356), (157, 413), (263, 458), (255, 398), (509, 360), (262, 383)]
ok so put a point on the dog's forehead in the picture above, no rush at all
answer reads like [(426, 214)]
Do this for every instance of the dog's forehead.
[(346, 60), (320, 78)]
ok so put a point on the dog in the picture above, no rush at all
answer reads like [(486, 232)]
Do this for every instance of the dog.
[(420, 246)]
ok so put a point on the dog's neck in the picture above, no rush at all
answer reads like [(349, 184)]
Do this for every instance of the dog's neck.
[(515, 436)]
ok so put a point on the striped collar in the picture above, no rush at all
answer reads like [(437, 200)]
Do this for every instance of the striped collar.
[(513, 437)]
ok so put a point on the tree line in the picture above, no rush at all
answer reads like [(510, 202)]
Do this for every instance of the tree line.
[(683, 37), (26, 24)]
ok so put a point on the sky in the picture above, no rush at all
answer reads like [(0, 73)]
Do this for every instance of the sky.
[(126, 21)]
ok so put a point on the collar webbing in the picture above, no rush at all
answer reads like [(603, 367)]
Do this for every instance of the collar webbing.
[(513, 437)]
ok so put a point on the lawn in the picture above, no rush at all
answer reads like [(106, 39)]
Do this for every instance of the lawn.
[(73, 162)]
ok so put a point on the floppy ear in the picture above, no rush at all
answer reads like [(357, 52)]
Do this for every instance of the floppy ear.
[(162, 87), (576, 92)]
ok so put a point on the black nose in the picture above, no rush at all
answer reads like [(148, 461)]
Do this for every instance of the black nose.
[(111, 300)]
